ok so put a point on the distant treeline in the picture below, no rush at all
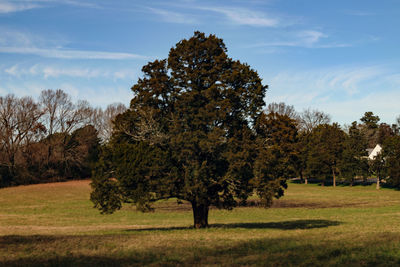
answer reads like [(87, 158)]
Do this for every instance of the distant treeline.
[(51, 139), (54, 139), (329, 153)]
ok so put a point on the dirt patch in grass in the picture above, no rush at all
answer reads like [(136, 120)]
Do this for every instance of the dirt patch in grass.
[(73, 183), (314, 205), (168, 206), (172, 206)]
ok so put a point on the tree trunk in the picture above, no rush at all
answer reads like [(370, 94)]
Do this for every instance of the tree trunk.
[(302, 179), (49, 152), (200, 215), (11, 167), (378, 183), (334, 177)]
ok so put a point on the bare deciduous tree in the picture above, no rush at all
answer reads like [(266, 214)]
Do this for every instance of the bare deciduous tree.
[(61, 115), (146, 128), (282, 109), (109, 116), (309, 119), (19, 126), (103, 121)]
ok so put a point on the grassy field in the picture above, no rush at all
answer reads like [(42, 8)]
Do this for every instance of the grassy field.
[(55, 224)]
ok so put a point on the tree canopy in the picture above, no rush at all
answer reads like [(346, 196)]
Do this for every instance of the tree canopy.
[(325, 152), (190, 133)]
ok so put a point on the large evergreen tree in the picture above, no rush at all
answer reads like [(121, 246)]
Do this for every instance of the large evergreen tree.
[(189, 134), (391, 153), (353, 161), (325, 151)]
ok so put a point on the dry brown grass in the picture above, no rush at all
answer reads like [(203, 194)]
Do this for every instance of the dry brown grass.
[(55, 224)]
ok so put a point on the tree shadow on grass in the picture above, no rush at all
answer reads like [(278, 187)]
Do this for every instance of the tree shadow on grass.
[(285, 225), (281, 251)]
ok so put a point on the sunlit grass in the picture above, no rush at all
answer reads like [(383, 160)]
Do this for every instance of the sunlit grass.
[(55, 224)]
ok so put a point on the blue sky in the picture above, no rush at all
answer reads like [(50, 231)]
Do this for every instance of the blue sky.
[(341, 57)]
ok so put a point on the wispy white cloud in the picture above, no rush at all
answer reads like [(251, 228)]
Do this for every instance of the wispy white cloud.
[(10, 7), (46, 72), (344, 80), (15, 42), (18, 71), (243, 16), (7, 6), (344, 92), (305, 38), (172, 16), (13, 70), (78, 3), (72, 72), (352, 109), (69, 54), (10, 37)]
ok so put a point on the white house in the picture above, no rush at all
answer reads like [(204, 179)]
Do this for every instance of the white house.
[(372, 153)]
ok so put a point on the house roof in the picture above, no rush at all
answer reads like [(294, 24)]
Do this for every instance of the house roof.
[(374, 152)]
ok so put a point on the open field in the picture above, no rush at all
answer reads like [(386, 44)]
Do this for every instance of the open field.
[(55, 224)]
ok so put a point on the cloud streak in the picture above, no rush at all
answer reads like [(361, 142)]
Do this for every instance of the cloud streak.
[(305, 38), (7, 6), (69, 54), (14, 42), (76, 72), (340, 91), (243, 16), (10, 7), (172, 16)]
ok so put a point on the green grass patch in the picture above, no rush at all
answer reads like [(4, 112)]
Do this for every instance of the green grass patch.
[(56, 225)]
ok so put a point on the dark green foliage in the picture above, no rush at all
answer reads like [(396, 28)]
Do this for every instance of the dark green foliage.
[(384, 133), (370, 120), (354, 162), (80, 152), (189, 134), (391, 154), (277, 155), (325, 151), (369, 128), (378, 167)]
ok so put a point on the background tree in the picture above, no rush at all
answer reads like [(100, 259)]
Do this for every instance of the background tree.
[(282, 109), (310, 119), (370, 128), (370, 120), (277, 154), (188, 134), (353, 162), (110, 113), (325, 151), (103, 120), (378, 167), (302, 149), (385, 131), (62, 117), (46, 140), (391, 152), (82, 149), (19, 126)]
